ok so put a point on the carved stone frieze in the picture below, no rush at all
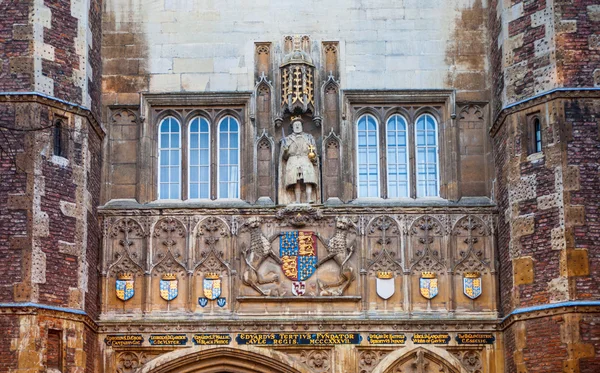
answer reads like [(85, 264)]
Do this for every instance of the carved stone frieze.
[(368, 359), (212, 240), (470, 232), (421, 361), (427, 258), (318, 360), (470, 359), (169, 241), (298, 215), (384, 237), (255, 254), (125, 237), (339, 249)]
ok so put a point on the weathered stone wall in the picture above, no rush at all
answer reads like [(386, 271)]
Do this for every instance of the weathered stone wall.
[(187, 46)]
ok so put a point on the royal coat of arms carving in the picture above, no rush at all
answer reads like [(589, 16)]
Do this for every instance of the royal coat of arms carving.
[(168, 286), (212, 286), (472, 284), (298, 253), (428, 284), (125, 286)]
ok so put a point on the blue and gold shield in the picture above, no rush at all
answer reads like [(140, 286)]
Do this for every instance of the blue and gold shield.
[(124, 287), (428, 285), (168, 287), (298, 252), (212, 286), (472, 285)]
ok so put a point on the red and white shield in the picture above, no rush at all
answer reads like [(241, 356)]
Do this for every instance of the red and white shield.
[(298, 288)]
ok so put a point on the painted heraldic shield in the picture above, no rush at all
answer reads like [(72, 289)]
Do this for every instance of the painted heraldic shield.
[(472, 285), (168, 287), (385, 284), (428, 285), (212, 286), (124, 286), (298, 252)]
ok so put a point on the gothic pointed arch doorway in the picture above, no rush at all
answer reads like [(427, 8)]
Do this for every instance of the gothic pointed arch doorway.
[(419, 360), (245, 359)]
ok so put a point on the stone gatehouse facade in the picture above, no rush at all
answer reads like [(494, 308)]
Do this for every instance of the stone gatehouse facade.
[(275, 186)]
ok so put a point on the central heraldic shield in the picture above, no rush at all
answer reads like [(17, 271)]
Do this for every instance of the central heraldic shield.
[(298, 252)]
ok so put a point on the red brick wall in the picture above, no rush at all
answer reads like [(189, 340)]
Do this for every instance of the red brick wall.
[(61, 269), (590, 330), (576, 60), (501, 193), (12, 222), (9, 329), (62, 36), (544, 352), (583, 151), (94, 233), (94, 56), (13, 15), (494, 28)]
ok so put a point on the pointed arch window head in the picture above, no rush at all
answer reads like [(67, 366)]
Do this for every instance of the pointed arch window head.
[(199, 159), (228, 184), (398, 179), (427, 156), (368, 156), (169, 159)]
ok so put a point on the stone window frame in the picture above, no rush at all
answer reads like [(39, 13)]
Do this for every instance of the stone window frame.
[(532, 140), (184, 107), (60, 131), (411, 104)]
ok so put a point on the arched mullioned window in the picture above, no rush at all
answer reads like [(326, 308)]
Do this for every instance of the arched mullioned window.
[(199, 159), (228, 181), (427, 156), (169, 159), (397, 157), (368, 156)]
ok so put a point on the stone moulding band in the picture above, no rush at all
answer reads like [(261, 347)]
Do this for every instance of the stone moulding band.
[(72, 107), (546, 310), (538, 99), (43, 306), (31, 308)]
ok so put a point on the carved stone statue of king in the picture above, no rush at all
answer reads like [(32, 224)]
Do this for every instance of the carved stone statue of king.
[(300, 168)]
